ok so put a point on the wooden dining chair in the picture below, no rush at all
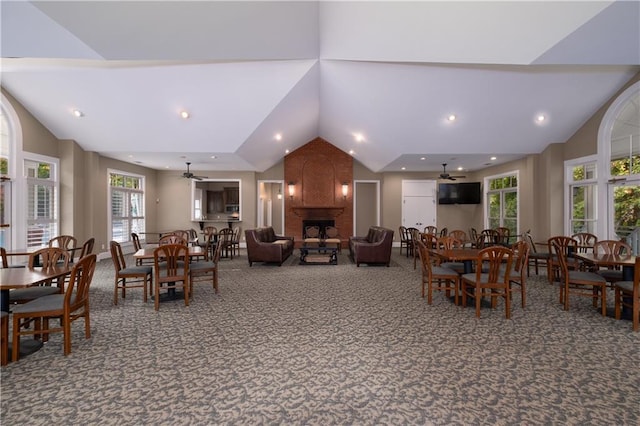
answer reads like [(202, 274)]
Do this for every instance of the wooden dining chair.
[(66, 307), (449, 243), (436, 277), (611, 274), (586, 241), (503, 236), (627, 295), (577, 282), (518, 274), (171, 267), (210, 237), (203, 270), (87, 247), (567, 246), (225, 239), (235, 241), (493, 267), (459, 235), (173, 238), (430, 241), (47, 257), (536, 258), (431, 230), (139, 276), (487, 238)]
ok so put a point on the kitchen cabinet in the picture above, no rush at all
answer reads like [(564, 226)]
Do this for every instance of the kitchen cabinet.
[(215, 202), (231, 196)]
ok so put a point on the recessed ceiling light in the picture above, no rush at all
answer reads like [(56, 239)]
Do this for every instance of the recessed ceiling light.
[(184, 114), (358, 137), (460, 169), (214, 157), (493, 158), (278, 136), (540, 118), (77, 113), (403, 168), (286, 151), (351, 152), (423, 158), (452, 117), (130, 156)]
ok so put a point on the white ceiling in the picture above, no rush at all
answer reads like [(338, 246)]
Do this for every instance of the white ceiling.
[(389, 71)]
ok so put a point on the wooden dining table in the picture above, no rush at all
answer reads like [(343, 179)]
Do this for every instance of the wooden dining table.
[(11, 278), (625, 261), (147, 252), (465, 255)]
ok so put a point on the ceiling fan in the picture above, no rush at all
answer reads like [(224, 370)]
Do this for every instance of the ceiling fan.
[(445, 175), (189, 175)]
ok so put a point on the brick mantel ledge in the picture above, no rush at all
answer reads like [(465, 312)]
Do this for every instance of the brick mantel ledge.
[(317, 211)]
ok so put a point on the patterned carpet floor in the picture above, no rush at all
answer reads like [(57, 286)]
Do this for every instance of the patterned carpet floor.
[(318, 345)]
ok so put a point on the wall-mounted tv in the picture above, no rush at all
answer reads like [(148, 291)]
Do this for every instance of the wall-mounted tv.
[(460, 193)]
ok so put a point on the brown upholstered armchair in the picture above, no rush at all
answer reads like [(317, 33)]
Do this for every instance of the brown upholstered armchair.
[(374, 248)]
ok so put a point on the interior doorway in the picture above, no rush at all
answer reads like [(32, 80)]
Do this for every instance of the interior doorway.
[(271, 205), (366, 205)]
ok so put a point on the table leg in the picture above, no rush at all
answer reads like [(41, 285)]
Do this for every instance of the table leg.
[(4, 300)]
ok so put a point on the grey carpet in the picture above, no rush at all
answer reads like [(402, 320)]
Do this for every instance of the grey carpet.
[(329, 345)]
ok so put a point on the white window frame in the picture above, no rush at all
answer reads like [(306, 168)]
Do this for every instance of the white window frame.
[(109, 209), (54, 183), (18, 204), (516, 188), (569, 183)]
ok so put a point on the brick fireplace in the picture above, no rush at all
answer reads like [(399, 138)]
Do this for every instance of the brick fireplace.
[(317, 171)]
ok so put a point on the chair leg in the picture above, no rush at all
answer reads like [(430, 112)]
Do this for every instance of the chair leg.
[(66, 335), (15, 348), (507, 303)]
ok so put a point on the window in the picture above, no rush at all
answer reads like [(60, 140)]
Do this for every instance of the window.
[(582, 181), (127, 205), (41, 176), (619, 168), (502, 202)]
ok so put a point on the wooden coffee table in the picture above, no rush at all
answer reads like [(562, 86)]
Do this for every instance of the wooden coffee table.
[(319, 254)]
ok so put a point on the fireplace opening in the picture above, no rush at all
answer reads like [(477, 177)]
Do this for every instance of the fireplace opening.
[(320, 223)]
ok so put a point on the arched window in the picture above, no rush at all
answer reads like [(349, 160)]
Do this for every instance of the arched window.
[(10, 149), (619, 154)]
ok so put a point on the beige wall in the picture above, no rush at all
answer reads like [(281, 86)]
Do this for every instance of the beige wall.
[(168, 196)]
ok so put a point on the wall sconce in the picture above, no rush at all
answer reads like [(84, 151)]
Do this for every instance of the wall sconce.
[(345, 190), (279, 194), (292, 188)]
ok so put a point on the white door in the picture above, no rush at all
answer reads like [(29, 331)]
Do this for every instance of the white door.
[(419, 205)]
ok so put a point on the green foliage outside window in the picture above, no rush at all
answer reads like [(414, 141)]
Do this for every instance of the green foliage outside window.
[(626, 197), (503, 203)]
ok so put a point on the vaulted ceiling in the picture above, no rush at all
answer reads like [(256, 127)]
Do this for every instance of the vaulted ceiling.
[(378, 79)]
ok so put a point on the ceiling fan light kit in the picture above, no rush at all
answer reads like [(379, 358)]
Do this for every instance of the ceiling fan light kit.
[(445, 175), (189, 175)]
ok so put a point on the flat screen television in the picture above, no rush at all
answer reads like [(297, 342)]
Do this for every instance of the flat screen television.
[(459, 193)]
